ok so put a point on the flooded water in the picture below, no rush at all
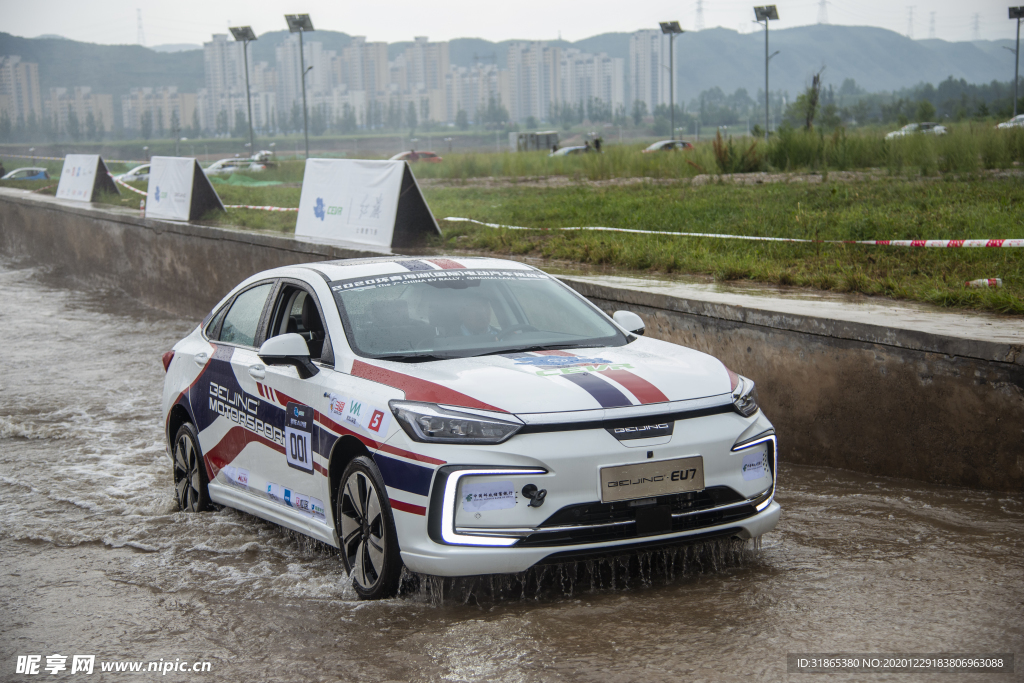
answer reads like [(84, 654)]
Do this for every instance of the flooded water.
[(95, 560)]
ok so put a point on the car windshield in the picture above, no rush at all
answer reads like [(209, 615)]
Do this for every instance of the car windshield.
[(428, 314)]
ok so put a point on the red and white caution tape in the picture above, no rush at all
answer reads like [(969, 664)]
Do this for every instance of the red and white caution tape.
[(950, 244), (124, 184), (261, 208)]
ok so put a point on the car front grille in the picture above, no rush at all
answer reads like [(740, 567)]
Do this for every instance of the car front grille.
[(602, 522)]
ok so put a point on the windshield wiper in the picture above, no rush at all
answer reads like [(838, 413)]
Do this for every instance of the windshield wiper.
[(540, 347), (413, 357)]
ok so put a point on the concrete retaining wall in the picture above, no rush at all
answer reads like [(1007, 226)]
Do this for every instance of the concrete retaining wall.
[(870, 398)]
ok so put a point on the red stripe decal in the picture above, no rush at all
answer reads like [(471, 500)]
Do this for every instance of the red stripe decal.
[(407, 507), (555, 353), (228, 448), (376, 445), (446, 264), (188, 389), (638, 386), (259, 388), (417, 389), (320, 468)]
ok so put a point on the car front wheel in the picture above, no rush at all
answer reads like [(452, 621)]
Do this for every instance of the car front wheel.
[(369, 545)]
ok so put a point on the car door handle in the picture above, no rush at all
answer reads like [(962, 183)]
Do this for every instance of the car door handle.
[(201, 358), (257, 371)]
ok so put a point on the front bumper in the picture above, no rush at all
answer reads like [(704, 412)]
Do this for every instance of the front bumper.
[(573, 522), (452, 560)]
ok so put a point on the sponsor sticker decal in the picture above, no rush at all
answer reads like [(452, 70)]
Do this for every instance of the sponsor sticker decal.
[(313, 507), (360, 415), (237, 476), (488, 495), (753, 466)]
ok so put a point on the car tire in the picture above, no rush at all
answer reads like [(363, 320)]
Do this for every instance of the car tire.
[(191, 485), (366, 529)]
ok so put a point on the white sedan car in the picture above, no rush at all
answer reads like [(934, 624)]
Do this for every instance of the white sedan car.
[(914, 128), (460, 416), (137, 174), (1016, 122)]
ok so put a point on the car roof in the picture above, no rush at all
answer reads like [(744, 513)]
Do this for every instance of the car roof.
[(29, 168), (345, 269)]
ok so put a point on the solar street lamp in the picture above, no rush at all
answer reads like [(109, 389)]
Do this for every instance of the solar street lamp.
[(1018, 14), (245, 35), (300, 23), (673, 29), (766, 14)]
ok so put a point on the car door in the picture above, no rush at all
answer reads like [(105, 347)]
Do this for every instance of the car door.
[(299, 475), (240, 433)]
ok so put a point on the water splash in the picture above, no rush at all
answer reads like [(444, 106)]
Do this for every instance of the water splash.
[(564, 579)]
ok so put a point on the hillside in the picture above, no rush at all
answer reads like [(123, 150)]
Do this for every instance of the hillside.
[(878, 59)]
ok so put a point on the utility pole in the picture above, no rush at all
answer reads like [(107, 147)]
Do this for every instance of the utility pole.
[(246, 35), (766, 14), (672, 28), (1018, 14), (300, 23)]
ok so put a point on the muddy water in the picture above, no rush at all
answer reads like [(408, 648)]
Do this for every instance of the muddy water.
[(94, 559)]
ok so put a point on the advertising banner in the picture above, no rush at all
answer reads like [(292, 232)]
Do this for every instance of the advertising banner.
[(179, 190), (363, 202), (83, 177)]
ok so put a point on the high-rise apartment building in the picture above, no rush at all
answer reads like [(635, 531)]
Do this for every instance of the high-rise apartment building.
[(648, 68), (587, 77), (19, 89), (535, 80), (83, 103), (164, 106)]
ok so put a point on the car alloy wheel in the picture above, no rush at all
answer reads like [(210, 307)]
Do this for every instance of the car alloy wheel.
[(368, 542), (190, 485)]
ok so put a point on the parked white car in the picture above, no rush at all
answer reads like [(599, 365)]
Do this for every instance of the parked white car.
[(1016, 122), (137, 174), (459, 416), (913, 128), (229, 166)]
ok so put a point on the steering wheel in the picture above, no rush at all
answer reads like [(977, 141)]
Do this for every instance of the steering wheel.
[(516, 328)]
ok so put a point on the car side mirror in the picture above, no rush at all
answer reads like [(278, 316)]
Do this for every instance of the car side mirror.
[(288, 349), (629, 321)]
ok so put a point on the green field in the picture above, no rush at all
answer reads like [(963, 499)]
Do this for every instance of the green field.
[(924, 188)]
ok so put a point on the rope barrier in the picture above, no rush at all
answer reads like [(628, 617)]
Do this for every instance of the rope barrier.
[(948, 244)]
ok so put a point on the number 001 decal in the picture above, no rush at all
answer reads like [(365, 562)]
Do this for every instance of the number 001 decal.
[(298, 436)]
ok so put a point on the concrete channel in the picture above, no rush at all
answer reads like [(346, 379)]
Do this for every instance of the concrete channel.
[(865, 385)]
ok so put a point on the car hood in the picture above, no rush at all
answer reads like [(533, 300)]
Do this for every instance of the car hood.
[(646, 371)]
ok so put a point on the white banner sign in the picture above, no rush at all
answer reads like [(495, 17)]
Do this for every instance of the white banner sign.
[(170, 188), (350, 200), (78, 177)]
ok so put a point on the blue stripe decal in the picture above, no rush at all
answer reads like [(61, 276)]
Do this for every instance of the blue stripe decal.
[(415, 265), (604, 393), (406, 476), (324, 441)]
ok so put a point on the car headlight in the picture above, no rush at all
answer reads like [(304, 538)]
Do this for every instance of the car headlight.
[(430, 423), (744, 396)]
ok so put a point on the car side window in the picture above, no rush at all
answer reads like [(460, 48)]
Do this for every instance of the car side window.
[(214, 325), (297, 312), (243, 319)]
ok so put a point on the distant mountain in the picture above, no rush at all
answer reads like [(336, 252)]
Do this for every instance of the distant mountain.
[(176, 47), (877, 59), (113, 69)]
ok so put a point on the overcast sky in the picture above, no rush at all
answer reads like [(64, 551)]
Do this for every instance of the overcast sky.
[(193, 21)]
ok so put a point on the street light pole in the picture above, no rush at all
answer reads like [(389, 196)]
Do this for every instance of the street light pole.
[(766, 14), (245, 34), (300, 23), (672, 29), (1018, 14)]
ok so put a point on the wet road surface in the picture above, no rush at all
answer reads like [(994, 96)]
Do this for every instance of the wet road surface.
[(94, 559)]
